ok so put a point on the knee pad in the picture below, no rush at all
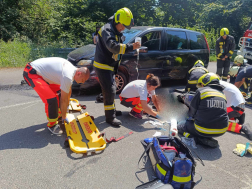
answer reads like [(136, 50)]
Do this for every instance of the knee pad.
[(241, 119)]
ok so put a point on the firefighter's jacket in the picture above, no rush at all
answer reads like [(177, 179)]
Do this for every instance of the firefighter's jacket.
[(195, 73), (208, 108), (110, 47), (225, 47)]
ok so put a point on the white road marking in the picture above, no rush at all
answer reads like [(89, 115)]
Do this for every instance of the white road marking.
[(21, 104)]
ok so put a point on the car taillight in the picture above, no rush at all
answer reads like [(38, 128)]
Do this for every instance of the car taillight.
[(207, 45)]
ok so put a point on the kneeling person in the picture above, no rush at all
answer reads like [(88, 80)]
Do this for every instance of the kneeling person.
[(135, 94), (194, 74), (207, 112)]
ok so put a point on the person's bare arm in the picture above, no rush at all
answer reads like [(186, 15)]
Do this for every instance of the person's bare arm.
[(94, 39), (64, 102), (239, 83), (147, 109), (155, 101)]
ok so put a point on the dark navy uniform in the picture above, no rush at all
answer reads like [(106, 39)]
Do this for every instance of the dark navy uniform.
[(193, 75), (209, 111), (223, 48), (108, 55)]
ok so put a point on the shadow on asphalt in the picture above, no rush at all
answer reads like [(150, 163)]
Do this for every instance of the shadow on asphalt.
[(33, 137)]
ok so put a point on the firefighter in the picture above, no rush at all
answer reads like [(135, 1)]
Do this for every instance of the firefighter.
[(52, 79), (235, 110), (225, 46), (108, 55), (207, 112), (244, 74), (194, 74), (135, 95)]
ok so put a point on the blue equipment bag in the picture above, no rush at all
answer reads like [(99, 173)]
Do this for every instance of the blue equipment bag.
[(173, 164)]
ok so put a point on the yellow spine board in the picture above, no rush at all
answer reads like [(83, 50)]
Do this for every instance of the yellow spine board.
[(91, 132), (74, 105)]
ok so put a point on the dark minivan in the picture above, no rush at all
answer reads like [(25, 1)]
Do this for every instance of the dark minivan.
[(167, 53)]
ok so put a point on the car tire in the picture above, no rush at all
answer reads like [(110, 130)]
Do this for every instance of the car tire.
[(121, 82)]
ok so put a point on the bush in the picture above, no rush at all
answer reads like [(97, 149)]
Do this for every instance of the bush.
[(18, 52)]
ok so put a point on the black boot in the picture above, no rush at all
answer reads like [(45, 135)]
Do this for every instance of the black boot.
[(180, 98), (246, 128), (209, 142), (114, 122)]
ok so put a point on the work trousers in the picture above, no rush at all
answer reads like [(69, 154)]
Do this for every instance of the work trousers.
[(134, 103), (233, 114), (223, 68), (49, 93), (108, 86)]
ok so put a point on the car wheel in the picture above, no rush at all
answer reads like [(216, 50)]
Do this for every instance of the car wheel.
[(121, 82)]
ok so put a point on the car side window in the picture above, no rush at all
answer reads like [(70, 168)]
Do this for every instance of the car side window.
[(197, 41), (176, 40), (152, 40)]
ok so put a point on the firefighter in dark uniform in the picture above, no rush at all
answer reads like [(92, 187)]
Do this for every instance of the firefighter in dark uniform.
[(243, 74), (194, 74), (207, 112), (225, 46), (240, 64), (108, 55)]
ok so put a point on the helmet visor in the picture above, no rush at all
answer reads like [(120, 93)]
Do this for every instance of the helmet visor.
[(131, 24)]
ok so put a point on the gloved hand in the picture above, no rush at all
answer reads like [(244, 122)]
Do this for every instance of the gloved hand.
[(65, 121), (242, 149), (158, 117)]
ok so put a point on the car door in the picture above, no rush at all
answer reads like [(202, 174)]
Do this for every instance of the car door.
[(150, 61), (175, 54)]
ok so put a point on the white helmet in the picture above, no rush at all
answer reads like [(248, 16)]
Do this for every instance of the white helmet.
[(238, 59), (234, 70)]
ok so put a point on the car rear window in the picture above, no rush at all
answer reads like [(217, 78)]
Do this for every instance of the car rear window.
[(176, 40), (197, 41)]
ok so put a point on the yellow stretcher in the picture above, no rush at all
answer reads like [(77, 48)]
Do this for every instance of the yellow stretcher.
[(74, 105), (85, 128)]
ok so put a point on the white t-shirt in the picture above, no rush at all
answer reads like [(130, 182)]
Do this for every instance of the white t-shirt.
[(56, 70), (137, 88), (233, 94)]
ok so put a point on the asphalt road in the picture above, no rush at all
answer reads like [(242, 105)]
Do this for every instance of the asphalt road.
[(30, 157)]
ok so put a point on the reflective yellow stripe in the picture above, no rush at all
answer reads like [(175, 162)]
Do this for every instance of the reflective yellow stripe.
[(224, 77), (110, 107), (245, 85), (52, 120), (192, 81), (122, 48), (210, 94), (186, 134), (231, 52), (219, 55), (221, 43), (181, 179), (116, 38), (100, 31), (162, 171), (233, 127), (197, 68), (210, 131), (103, 66)]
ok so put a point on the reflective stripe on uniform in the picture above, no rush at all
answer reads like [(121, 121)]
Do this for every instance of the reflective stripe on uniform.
[(103, 66), (181, 179), (100, 31), (186, 134), (223, 77), (192, 81), (211, 94), (122, 48), (231, 52), (219, 55), (110, 107), (197, 68), (245, 85), (210, 131), (161, 170)]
